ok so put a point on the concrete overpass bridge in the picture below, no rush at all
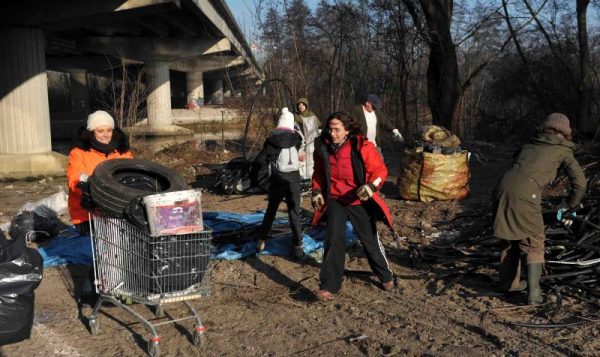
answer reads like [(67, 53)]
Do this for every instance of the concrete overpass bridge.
[(197, 37)]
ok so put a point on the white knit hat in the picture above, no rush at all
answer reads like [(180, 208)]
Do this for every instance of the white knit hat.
[(99, 118), (286, 120)]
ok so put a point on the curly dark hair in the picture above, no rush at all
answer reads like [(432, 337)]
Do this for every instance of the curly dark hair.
[(351, 124)]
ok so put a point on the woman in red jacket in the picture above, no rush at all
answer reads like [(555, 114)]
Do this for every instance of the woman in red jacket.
[(347, 174), (97, 142)]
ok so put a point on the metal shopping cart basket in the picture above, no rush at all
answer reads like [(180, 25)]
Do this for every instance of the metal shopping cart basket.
[(133, 266)]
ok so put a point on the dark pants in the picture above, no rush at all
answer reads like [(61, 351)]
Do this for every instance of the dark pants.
[(332, 271), (510, 259), (291, 192), (83, 228)]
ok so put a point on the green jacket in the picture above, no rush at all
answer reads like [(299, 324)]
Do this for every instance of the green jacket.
[(384, 127), (305, 114), (517, 208)]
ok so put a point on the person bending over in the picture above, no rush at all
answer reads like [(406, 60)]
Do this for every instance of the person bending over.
[(516, 203)]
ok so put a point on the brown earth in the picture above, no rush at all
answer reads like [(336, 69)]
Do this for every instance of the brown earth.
[(264, 306)]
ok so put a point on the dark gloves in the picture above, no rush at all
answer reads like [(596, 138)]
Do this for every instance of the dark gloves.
[(365, 192), (317, 200), (86, 199)]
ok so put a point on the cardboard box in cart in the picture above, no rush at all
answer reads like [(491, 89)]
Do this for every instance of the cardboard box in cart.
[(174, 212)]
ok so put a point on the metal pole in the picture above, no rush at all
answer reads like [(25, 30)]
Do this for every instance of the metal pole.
[(223, 130)]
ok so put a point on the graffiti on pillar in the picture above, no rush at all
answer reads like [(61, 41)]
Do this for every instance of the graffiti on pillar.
[(194, 101)]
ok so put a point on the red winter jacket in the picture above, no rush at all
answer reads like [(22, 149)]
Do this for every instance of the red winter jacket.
[(367, 166)]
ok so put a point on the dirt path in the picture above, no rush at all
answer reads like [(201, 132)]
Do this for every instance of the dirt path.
[(265, 305)]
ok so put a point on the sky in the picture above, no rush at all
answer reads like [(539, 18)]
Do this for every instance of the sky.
[(244, 10)]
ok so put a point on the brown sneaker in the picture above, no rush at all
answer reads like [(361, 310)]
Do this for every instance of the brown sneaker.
[(389, 286), (260, 245), (324, 295)]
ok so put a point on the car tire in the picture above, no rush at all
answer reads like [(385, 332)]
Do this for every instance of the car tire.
[(111, 192)]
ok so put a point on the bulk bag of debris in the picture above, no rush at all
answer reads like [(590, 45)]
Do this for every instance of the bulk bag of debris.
[(21, 273), (436, 169)]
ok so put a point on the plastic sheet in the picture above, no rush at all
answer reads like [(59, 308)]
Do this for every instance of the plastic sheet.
[(428, 177), (282, 246), (51, 206), (20, 274), (71, 248), (68, 248)]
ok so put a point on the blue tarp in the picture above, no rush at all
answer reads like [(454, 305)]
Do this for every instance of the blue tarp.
[(71, 248), (68, 248)]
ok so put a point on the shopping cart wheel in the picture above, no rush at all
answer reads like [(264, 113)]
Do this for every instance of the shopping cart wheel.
[(153, 349), (94, 326), (199, 338), (159, 311)]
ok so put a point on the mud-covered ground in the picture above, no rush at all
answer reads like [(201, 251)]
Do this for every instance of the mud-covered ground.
[(265, 306)]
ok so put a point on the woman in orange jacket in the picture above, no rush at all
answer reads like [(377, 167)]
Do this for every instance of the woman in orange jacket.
[(97, 142)]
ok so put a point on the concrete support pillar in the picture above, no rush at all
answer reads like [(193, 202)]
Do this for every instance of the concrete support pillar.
[(25, 141), (217, 94), (80, 97), (160, 122), (159, 93), (24, 112), (195, 88)]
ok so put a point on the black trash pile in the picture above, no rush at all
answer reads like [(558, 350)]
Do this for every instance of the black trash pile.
[(21, 271), (572, 252), (33, 227), (234, 177)]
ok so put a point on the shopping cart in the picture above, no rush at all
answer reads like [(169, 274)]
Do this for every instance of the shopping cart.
[(133, 266)]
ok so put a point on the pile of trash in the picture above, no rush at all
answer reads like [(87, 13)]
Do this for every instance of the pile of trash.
[(21, 268), (434, 168), (438, 140)]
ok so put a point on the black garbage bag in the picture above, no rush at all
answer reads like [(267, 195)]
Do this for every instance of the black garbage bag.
[(28, 224), (178, 264), (135, 212), (21, 271)]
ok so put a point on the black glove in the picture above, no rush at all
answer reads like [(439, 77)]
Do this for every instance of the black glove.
[(86, 199)]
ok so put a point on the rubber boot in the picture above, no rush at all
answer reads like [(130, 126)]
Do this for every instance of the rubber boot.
[(534, 292), (510, 271)]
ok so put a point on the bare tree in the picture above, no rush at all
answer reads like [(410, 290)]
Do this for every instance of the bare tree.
[(585, 80), (443, 79)]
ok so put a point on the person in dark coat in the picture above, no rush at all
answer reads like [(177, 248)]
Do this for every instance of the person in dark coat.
[(348, 174), (516, 202), (284, 180), (373, 122)]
